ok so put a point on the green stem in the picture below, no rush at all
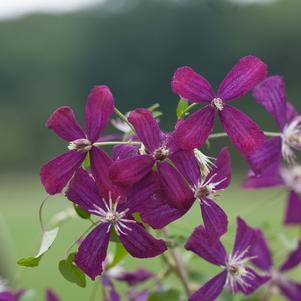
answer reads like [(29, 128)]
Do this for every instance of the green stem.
[(221, 135), (189, 108), (116, 143), (41, 213), (154, 107), (124, 118)]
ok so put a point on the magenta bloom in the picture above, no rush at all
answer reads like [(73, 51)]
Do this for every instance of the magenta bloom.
[(51, 296), (242, 131), (56, 174), (277, 278), (83, 190), (236, 274), (155, 154), (10, 296)]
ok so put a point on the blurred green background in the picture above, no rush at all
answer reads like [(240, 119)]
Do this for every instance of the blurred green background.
[(133, 46)]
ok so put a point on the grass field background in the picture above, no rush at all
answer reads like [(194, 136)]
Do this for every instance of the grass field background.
[(20, 233)]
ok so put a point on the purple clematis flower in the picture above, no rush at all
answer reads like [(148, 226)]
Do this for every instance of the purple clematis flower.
[(156, 212), (277, 278), (290, 177), (236, 274), (242, 131), (83, 191), (56, 174), (155, 154), (51, 296), (10, 296)]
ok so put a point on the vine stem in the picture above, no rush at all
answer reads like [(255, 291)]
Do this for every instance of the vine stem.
[(41, 213), (116, 143), (221, 135), (124, 118)]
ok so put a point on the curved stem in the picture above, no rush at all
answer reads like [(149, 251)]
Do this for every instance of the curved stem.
[(124, 118), (221, 135), (41, 213), (189, 108), (116, 143)]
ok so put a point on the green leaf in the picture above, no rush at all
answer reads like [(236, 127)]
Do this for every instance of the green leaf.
[(113, 236), (86, 163), (182, 106), (166, 295), (47, 241), (80, 212), (71, 272), (119, 254)]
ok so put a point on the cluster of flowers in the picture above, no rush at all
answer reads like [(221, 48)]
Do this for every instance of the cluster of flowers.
[(160, 175)]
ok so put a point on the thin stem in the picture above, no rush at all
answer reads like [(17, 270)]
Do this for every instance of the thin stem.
[(116, 143), (189, 108), (124, 118), (221, 135), (94, 291), (154, 107), (41, 213)]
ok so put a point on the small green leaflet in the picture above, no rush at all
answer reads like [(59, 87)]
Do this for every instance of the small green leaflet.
[(119, 254), (80, 212), (86, 163), (182, 106), (47, 241)]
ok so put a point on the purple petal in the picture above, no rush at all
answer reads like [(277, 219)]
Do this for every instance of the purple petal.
[(176, 189), (9, 296), (139, 296), (244, 133), (293, 210), (294, 259), (133, 278), (93, 251), (124, 151), (110, 291), (243, 77), (56, 173), (191, 86), (140, 244), (261, 252), (146, 127), (291, 112), (199, 242), (221, 172), (99, 108), (267, 157), (63, 123), (129, 171), (265, 181), (100, 166), (193, 132), (244, 239), (211, 289), (83, 191), (51, 296), (271, 95), (215, 220), (291, 290)]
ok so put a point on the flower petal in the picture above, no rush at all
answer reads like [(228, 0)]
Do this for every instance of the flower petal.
[(83, 191), (244, 76), (129, 171), (211, 289), (93, 251), (140, 244), (133, 278), (99, 108), (291, 112), (146, 127), (56, 173), (123, 151), (215, 220), (294, 259), (267, 157), (291, 290), (271, 95), (200, 243), (109, 289), (51, 296), (261, 252), (63, 123), (177, 190), (191, 86), (193, 132), (139, 296), (244, 133), (293, 210), (265, 181)]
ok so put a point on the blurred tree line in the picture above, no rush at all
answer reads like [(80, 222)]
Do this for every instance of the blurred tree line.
[(134, 46)]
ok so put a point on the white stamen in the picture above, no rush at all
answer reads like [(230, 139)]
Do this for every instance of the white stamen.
[(204, 161), (80, 145), (292, 177), (217, 103)]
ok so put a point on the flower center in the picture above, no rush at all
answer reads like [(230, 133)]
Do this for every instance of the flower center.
[(292, 177), (217, 103), (80, 145), (161, 153)]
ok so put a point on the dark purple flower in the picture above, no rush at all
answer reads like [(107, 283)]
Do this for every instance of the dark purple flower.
[(10, 296), (51, 296), (56, 174), (236, 274), (110, 294), (243, 132), (133, 278), (277, 278), (154, 155), (84, 191)]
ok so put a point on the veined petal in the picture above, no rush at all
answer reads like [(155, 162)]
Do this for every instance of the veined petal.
[(261, 252), (191, 86), (51, 296), (265, 181), (294, 259), (83, 191), (123, 151), (99, 108), (215, 220), (211, 289), (140, 244), (146, 127), (293, 209), (176, 188), (291, 112), (199, 243), (93, 251), (291, 290), (244, 133), (244, 76), (63, 123), (194, 131), (129, 171), (56, 173), (271, 95)]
